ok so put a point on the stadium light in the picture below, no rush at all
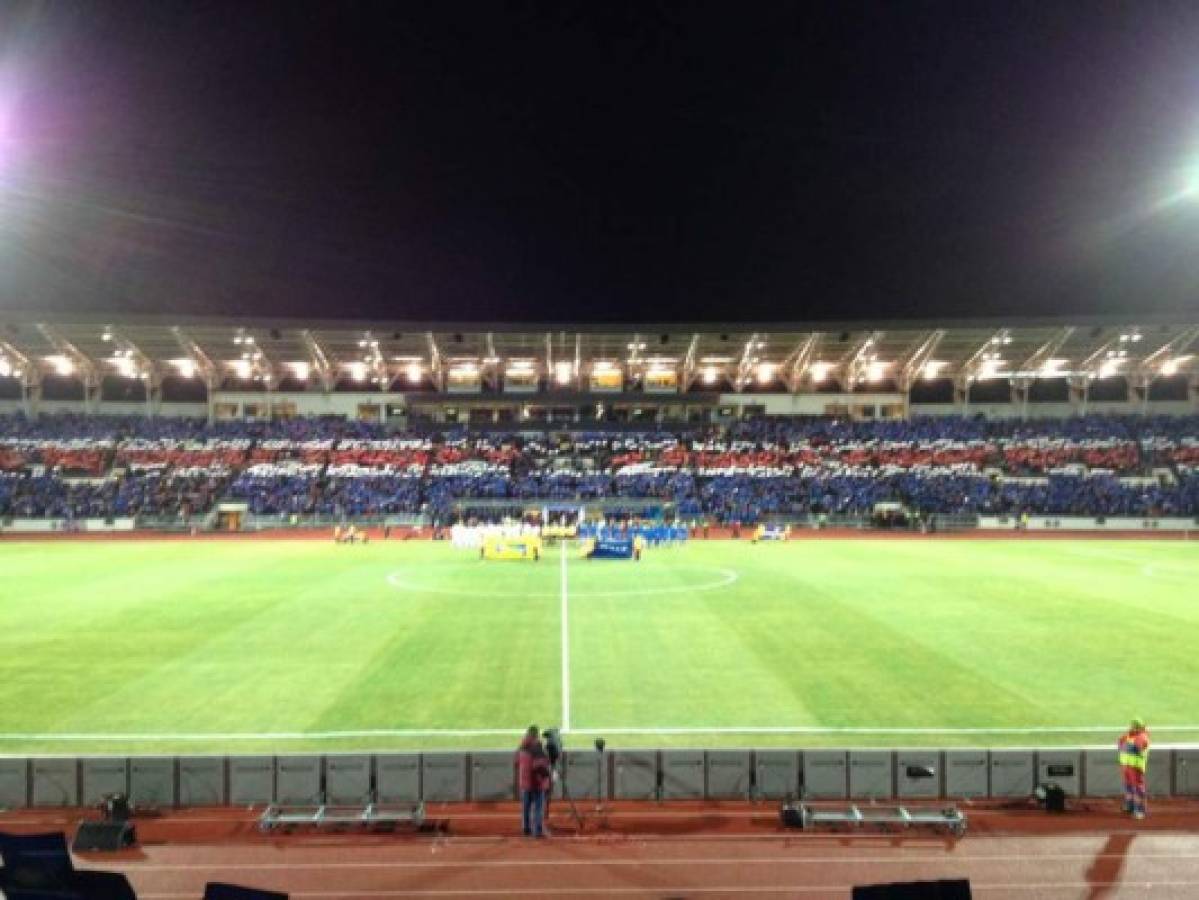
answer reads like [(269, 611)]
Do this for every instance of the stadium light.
[(301, 370), (358, 371), (413, 373), (765, 372), (562, 372), (932, 369), (820, 370), (241, 368), (1170, 366), (185, 367), (876, 370), (5, 368), (62, 365), (709, 375)]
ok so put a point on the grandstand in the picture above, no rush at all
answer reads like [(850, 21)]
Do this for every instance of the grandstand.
[(329, 423)]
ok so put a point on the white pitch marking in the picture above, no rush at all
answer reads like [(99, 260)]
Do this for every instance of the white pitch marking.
[(509, 732), (818, 729), (565, 726)]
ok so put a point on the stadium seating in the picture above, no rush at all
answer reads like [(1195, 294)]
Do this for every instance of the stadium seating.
[(73, 466)]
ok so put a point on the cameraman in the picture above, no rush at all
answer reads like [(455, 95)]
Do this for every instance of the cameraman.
[(533, 770)]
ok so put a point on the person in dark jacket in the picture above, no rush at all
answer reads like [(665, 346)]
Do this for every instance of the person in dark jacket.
[(533, 777)]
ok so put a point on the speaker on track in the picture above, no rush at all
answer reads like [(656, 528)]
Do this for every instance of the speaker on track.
[(103, 836)]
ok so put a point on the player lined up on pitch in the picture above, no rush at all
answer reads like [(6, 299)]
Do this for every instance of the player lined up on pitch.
[(1134, 761)]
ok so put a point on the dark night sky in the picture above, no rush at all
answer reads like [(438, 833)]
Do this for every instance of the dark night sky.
[(600, 161)]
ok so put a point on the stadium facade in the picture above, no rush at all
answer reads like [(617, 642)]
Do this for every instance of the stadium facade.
[(502, 375)]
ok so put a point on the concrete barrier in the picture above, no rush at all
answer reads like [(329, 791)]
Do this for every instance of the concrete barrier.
[(348, 778), (730, 774), (55, 781), (635, 774), (251, 780), (152, 782), (398, 777), (101, 776), (298, 780), (684, 775), (14, 783), (825, 774), (487, 776), (202, 781)]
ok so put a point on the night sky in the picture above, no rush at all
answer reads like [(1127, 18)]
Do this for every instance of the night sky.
[(600, 161)]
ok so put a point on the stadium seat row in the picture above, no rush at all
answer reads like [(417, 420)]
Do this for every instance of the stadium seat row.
[(163, 781)]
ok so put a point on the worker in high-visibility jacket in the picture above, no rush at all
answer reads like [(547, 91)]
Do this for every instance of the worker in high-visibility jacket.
[(1134, 760)]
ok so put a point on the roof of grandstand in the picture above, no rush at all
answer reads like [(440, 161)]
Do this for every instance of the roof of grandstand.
[(423, 356)]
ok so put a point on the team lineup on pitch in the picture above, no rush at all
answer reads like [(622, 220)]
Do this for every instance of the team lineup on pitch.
[(306, 645)]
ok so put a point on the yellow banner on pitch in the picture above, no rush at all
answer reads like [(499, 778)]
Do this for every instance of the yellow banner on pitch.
[(525, 547)]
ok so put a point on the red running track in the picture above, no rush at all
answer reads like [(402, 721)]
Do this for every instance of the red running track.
[(664, 851)]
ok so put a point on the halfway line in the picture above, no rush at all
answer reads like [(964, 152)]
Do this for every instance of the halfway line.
[(565, 724)]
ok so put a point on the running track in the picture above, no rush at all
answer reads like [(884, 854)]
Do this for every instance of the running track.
[(674, 850)]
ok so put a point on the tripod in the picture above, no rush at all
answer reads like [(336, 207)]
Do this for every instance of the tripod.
[(557, 754), (560, 778)]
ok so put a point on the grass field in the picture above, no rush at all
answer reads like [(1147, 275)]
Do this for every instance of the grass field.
[(263, 645)]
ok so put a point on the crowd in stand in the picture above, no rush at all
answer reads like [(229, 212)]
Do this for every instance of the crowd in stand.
[(72, 466)]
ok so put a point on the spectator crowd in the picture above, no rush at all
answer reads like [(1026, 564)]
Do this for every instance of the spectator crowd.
[(73, 466)]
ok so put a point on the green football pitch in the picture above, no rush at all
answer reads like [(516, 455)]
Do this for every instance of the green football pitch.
[(200, 646)]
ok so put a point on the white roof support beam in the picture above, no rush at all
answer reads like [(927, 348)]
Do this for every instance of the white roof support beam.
[(144, 362), (795, 366), (319, 360), (436, 367), (196, 354), (20, 362), (746, 363), (490, 367), (84, 363), (1093, 361), (971, 367), (1176, 346), (855, 361), (913, 362), (688, 376), (634, 359), (1045, 352)]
